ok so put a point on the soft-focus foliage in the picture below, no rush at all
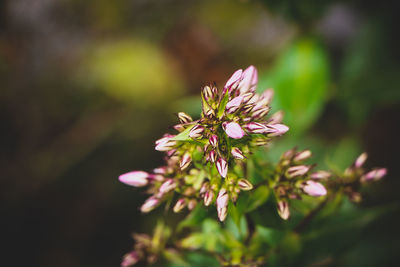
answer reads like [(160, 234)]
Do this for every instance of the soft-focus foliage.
[(87, 86)]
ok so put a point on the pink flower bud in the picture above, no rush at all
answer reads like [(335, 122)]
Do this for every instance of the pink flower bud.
[(213, 140), (192, 204), (130, 259), (360, 160), (320, 175), (237, 153), (222, 199), (234, 104), (208, 198), (213, 155), (150, 204), (245, 185), (167, 186), (314, 189), (303, 155), (234, 80), (247, 97), (266, 97), (255, 127), (196, 131), (160, 170), (278, 129), (249, 80), (222, 212), (179, 127), (165, 144), (276, 118), (260, 113), (283, 209), (135, 178), (234, 130), (374, 175), (180, 205), (222, 166), (299, 170), (186, 159), (208, 93), (184, 118)]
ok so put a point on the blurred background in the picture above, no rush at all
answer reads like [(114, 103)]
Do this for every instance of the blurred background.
[(87, 86)]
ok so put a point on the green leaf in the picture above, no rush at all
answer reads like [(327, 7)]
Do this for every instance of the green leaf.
[(222, 104), (300, 79), (183, 136), (194, 218), (258, 197)]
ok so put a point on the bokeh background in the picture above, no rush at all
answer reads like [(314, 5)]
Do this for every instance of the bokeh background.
[(87, 86)]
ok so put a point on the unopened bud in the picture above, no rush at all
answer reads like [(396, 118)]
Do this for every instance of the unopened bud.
[(222, 212), (207, 92), (130, 259), (222, 166), (237, 153), (180, 205), (185, 162), (234, 130), (245, 185), (213, 140), (192, 204), (135, 178), (303, 155), (179, 127), (299, 170), (249, 80), (314, 189), (234, 104), (320, 175), (196, 131), (255, 127), (276, 118), (373, 175), (165, 144), (208, 198), (150, 204), (184, 118), (278, 129), (167, 186), (260, 113), (360, 160), (283, 209), (234, 80), (213, 155)]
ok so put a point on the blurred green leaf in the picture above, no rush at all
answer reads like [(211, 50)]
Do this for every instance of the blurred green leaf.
[(300, 78), (183, 136), (258, 197), (194, 218)]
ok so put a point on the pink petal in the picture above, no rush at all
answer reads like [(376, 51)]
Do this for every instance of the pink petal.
[(234, 130)]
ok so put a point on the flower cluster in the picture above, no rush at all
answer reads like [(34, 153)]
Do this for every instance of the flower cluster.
[(293, 178), (201, 158), (356, 175)]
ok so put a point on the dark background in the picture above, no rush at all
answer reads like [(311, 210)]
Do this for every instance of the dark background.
[(87, 86)]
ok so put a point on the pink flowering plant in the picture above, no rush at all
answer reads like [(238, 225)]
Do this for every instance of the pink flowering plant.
[(212, 174)]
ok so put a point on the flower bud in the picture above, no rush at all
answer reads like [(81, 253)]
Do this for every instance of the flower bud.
[(134, 178), (222, 203), (374, 175), (299, 170), (130, 259), (196, 131), (205, 186), (247, 97), (260, 113), (160, 170), (179, 127), (320, 175), (303, 155), (213, 140), (222, 212), (245, 185), (237, 153), (180, 205), (234, 130), (165, 144), (213, 155), (283, 209), (150, 204), (255, 127), (192, 204), (314, 189), (208, 93), (360, 160), (278, 129), (222, 166), (260, 141), (249, 80), (184, 118), (208, 198), (276, 118), (234, 80), (186, 159), (234, 104), (167, 186)]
